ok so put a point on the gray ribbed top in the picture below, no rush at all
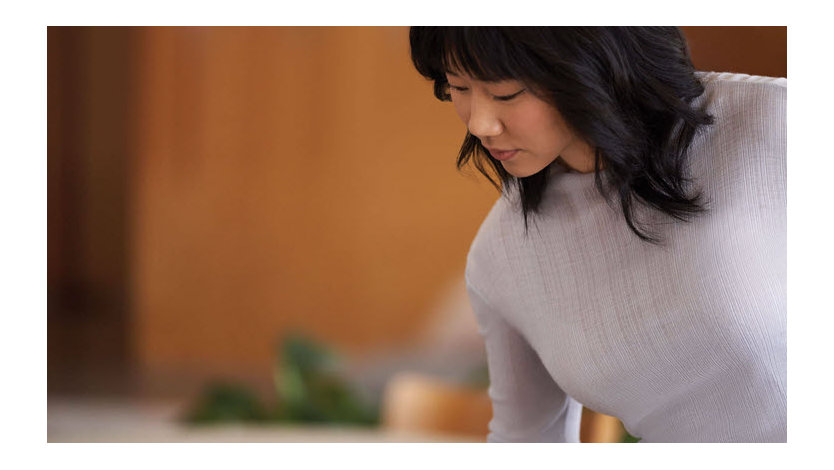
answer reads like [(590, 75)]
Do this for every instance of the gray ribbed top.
[(683, 342)]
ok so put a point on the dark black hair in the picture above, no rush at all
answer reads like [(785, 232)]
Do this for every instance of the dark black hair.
[(627, 91)]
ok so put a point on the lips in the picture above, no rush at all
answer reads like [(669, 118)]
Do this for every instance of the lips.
[(502, 155)]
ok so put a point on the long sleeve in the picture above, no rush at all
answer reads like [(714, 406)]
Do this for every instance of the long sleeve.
[(527, 405)]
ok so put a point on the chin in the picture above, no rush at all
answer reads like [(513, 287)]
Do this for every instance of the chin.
[(522, 172)]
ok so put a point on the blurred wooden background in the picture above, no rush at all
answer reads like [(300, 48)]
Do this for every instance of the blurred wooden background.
[(210, 189)]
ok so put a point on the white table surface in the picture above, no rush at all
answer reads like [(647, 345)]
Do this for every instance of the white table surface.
[(100, 420)]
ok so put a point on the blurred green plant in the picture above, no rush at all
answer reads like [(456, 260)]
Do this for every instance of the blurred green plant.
[(225, 402), (628, 438), (308, 389)]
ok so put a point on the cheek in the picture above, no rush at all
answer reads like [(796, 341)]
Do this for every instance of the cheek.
[(462, 110), (547, 127)]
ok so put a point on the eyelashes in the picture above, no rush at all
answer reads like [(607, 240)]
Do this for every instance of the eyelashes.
[(458, 89), (509, 97), (498, 98)]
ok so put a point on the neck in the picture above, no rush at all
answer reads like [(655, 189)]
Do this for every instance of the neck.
[(579, 157)]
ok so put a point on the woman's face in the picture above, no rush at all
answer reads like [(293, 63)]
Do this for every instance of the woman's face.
[(521, 130)]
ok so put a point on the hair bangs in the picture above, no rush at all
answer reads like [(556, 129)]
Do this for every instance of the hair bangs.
[(478, 52)]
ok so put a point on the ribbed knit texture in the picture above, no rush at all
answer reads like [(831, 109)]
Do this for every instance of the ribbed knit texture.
[(683, 342)]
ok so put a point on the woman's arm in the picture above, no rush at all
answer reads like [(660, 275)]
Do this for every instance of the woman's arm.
[(527, 405)]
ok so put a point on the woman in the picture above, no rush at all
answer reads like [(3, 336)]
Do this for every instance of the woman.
[(635, 261)]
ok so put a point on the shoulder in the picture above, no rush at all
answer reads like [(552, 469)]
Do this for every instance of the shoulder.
[(749, 96), (488, 248), (746, 147), (746, 108)]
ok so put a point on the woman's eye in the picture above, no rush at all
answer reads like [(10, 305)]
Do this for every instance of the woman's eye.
[(458, 88), (509, 97)]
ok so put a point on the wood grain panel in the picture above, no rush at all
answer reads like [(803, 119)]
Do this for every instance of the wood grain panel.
[(291, 178)]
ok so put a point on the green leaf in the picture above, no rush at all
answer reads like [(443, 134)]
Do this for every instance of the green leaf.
[(225, 402)]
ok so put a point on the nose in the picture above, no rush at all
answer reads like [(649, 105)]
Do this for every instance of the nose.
[(484, 120)]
